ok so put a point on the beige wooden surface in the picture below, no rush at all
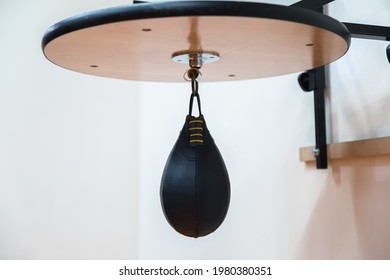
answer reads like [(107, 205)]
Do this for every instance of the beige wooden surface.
[(248, 47)]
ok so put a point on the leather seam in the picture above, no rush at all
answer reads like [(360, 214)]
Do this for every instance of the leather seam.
[(196, 197)]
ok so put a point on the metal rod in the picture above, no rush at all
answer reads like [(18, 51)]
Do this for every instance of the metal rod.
[(311, 4), (365, 31), (320, 151)]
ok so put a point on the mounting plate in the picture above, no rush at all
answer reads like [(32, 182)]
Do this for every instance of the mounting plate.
[(195, 59)]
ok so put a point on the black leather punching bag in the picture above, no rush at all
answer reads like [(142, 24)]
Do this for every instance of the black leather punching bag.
[(195, 187)]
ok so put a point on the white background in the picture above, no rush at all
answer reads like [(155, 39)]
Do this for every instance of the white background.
[(81, 157)]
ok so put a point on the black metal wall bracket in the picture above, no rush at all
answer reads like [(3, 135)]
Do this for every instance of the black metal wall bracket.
[(314, 80)]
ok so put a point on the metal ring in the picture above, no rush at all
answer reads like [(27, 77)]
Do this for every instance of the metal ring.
[(185, 75), (187, 78)]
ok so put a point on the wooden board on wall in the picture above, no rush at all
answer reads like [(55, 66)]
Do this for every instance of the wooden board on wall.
[(353, 149)]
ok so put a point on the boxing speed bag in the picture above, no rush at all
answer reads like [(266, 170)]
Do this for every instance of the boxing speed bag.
[(195, 187)]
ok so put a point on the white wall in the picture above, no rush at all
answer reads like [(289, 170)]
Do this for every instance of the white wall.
[(68, 147), (81, 157)]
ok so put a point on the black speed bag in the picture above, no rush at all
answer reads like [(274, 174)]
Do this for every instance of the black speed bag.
[(195, 187)]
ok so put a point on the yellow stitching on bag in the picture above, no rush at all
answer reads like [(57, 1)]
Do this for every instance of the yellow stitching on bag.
[(196, 121)]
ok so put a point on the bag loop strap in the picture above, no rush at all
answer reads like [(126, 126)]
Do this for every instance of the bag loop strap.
[(194, 94), (193, 74)]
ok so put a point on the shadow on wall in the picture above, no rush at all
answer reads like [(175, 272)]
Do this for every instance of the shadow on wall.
[(351, 219), (363, 115)]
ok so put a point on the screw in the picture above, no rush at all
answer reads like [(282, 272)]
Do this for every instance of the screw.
[(316, 152)]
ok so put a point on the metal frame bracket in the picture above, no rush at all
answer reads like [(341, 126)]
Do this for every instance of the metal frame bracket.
[(314, 80)]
